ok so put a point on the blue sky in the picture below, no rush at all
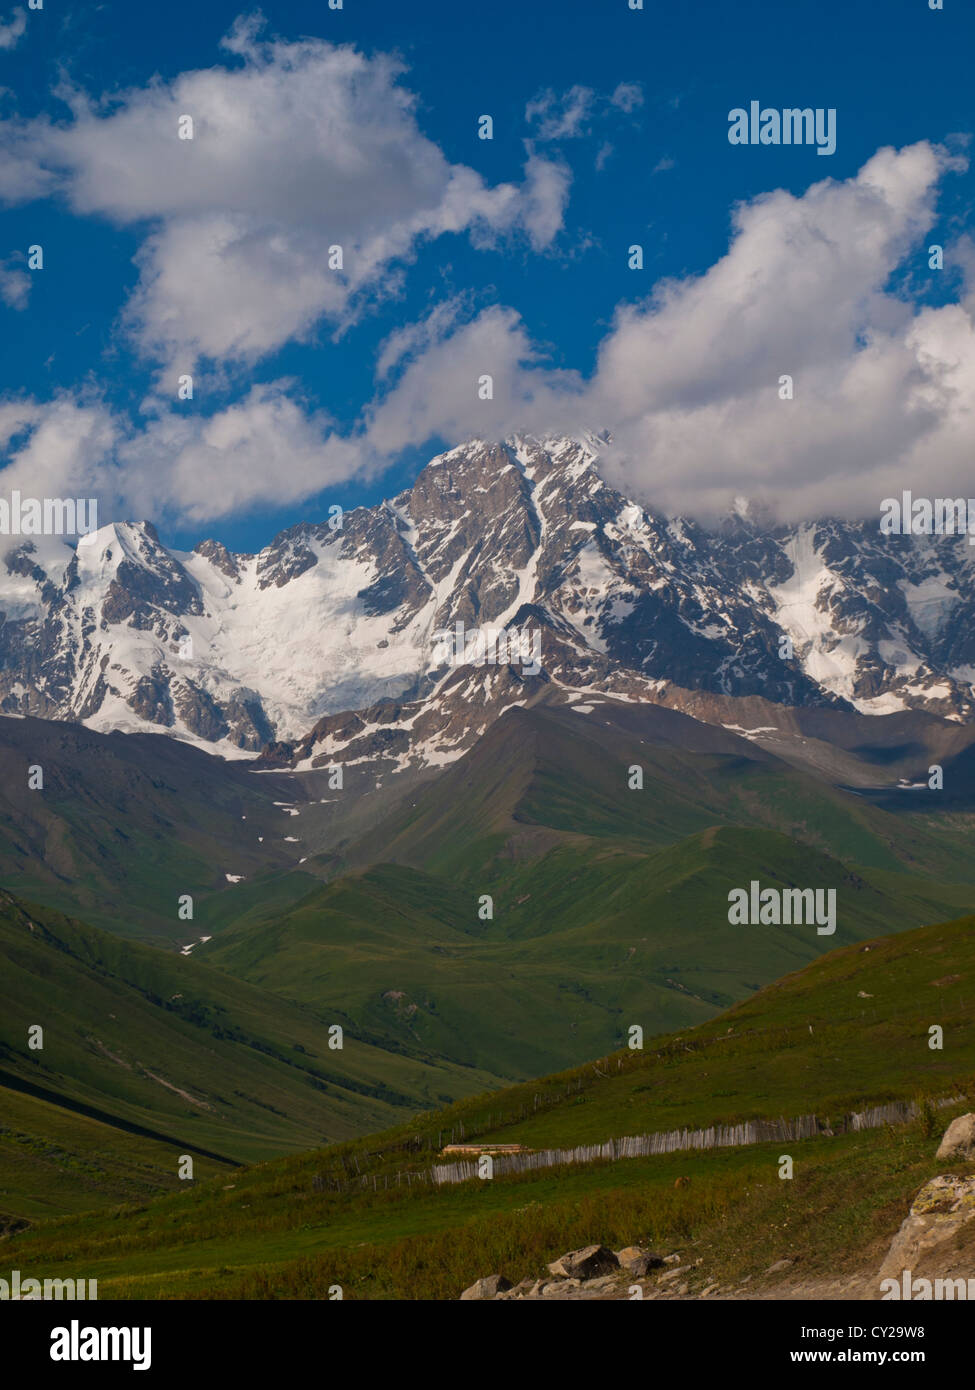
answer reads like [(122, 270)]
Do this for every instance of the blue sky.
[(652, 166)]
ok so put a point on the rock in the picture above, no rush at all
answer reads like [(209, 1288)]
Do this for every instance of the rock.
[(939, 1210), (779, 1266), (959, 1139), (671, 1274), (604, 1282), (587, 1263), (637, 1261), (488, 1287), (521, 1290), (671, 1259)]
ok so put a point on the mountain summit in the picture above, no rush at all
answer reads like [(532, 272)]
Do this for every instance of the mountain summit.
[(330, 642)]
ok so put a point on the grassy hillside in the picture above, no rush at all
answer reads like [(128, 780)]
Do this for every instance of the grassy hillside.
[(159, 1049), (56, 1160), (554, 768), (846, 1031), (126, 823), (586, 939)]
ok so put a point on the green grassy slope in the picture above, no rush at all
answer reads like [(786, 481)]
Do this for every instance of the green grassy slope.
[(549, 767), (846, 1031), (57, 1161), (586, 940), (161, 1048), (127, 823)]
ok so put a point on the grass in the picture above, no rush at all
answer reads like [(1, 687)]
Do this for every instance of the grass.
[(143, 1044), (732, 1210), (585, 940), (295, 1227)]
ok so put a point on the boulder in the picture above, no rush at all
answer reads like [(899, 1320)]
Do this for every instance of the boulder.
[(521, 1290), (938, 1212), (637, 1261), (958, 1143), (587, 1263), (488, 1287)]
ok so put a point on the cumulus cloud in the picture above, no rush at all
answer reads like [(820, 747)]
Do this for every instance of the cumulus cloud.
[(688, 380), (412, 339), (58, 448), (296, 148), (437, 393), (264, 450)]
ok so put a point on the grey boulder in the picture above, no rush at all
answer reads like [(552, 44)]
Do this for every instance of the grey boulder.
[(488, 1287), (959, 1139)]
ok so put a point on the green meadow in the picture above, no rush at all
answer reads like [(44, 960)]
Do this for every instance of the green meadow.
[(347, 1215)]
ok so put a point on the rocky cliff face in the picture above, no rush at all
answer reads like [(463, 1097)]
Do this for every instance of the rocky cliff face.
[(330, 644)]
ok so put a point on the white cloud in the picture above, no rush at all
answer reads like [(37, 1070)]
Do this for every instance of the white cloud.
[(22, 176), (58, 448), (296, 148), (562, 116), (546, 192), (628, 96), (688, 380), (437, 393), (414, 338), (571, 114), (13, 30), (14, 284), (264, 450)]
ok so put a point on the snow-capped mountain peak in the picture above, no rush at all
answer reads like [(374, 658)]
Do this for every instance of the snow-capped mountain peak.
[(327, 640)]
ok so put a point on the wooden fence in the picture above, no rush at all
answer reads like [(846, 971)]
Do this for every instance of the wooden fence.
[(632, 1146), (677, 1140)]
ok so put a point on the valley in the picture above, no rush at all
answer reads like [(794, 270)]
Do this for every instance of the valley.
[(294, 945), (845, 1031)]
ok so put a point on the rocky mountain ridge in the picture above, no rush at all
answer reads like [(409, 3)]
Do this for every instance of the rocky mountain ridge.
[(338, 645)]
